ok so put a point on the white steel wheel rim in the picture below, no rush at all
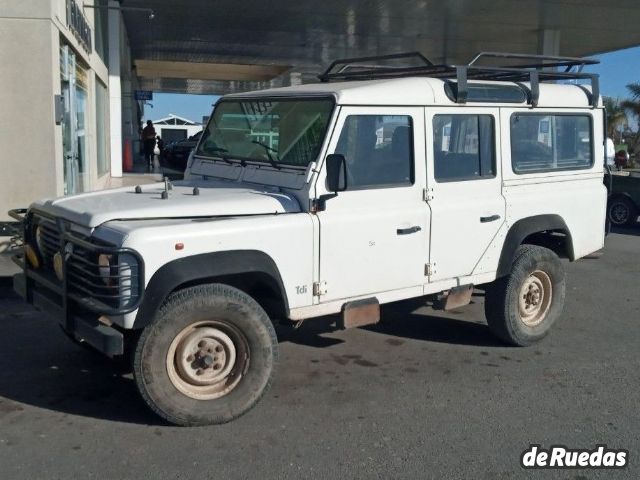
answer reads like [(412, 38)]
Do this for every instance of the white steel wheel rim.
[(206, 360), (619, 213), (535, 297)]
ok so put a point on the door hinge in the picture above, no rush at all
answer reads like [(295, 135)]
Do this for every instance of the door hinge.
[(427, 194), (429, 269), (319, 288)]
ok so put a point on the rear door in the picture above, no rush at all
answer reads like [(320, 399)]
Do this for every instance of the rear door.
[(464, 187)]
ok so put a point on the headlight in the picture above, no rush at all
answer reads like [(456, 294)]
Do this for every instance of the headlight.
[(104, 267)]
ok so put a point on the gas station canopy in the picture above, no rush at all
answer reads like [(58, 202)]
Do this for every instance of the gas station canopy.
[(205, 46)]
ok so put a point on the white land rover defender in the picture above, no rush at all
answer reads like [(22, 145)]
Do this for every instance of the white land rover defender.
[(381, 183)]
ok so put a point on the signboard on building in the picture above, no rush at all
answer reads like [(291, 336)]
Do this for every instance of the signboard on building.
[(78, 25), (144, 95)]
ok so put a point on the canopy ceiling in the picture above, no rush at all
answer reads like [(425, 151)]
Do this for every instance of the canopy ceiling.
[(236, 45)]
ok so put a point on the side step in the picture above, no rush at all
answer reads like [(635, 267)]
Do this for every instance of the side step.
[(359, 313)]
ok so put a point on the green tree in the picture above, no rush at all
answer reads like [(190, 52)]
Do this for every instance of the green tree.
[(632, 106), (616, 116)]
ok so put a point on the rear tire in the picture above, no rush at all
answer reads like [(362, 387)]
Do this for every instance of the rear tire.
[(207, 357), (621, 212), (521, 307)]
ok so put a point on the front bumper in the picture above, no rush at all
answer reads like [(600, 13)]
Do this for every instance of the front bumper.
[(79, 302), (103, 338)]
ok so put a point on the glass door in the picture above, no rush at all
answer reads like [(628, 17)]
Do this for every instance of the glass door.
[(69, 149), (73, 81)]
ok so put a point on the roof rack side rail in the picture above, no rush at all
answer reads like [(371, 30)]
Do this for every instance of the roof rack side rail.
[(346, 62), (543, 61)]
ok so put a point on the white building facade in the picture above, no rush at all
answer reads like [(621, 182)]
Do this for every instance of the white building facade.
[(66, 87)]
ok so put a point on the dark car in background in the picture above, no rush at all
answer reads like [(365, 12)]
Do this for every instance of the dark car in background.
[(624, 198), (176, 154)]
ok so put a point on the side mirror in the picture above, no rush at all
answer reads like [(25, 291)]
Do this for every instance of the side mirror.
[(336, 173)]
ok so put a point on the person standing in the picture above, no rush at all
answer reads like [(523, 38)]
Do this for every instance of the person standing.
[(149, 142)]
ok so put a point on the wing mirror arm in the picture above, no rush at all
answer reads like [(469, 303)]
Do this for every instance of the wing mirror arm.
[(336, 180)]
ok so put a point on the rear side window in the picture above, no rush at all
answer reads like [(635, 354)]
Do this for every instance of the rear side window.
[(378, 150), (546, 142), (463, 147)]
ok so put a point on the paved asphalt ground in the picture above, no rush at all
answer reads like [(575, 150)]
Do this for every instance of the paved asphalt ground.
[(425, 395)]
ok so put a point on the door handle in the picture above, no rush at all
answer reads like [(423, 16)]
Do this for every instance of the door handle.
[(407, 231), (491, 218)]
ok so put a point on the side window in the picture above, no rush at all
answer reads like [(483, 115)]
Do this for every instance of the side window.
[(378, 150), (543, 142), (463, 147)]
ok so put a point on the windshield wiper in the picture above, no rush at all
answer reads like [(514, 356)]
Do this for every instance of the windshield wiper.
[(269, 149), (222, 155)]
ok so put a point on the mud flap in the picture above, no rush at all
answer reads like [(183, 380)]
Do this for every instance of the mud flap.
[(359, 313), (456, 297)]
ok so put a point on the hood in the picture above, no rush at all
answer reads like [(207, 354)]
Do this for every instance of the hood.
[(215, 199)]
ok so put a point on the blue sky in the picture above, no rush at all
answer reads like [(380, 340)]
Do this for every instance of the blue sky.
[(616, 71), (193, 107)]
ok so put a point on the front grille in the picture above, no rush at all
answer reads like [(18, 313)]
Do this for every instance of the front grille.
[(50, 241), (108, 289)]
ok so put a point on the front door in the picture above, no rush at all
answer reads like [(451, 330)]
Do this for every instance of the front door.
[(374, 236), (464, 188)]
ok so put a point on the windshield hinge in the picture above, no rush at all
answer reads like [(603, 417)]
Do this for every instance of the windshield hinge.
[(427, 194), (320, 204), (319, 288), (429, 269)]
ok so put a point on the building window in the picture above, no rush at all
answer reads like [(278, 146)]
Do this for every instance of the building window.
[(101, 29), (378, 150), (102, 126), (463, 147), (544, 142)]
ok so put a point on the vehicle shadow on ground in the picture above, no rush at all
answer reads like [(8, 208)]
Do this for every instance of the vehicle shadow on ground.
[(633, 230), (398, 319), (44, 369)]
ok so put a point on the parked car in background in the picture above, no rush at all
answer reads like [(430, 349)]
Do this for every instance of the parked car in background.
[(623, 206), (176, 154)]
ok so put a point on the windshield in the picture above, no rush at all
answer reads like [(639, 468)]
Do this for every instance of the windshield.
[(283, 131)]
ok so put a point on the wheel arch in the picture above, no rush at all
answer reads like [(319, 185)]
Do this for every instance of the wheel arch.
[(625, 195), (235, 268), (537, 230)]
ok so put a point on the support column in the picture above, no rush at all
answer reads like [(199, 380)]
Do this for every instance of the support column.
[(115, 90), (549, 42)]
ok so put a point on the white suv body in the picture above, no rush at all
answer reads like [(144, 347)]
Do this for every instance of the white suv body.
[(454, 217)]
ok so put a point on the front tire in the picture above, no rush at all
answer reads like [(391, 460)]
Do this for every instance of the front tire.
[(208, 356), (521, 307)]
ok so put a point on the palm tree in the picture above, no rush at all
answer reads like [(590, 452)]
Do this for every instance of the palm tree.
[(633, 106), (616, 115)]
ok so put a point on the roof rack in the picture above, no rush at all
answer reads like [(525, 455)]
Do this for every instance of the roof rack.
[(538, 68)]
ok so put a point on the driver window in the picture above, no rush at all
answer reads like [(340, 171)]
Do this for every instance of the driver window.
[(378, 150)]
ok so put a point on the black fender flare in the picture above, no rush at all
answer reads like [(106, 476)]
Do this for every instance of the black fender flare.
[(525, 227), (614, 195), (204, 266)]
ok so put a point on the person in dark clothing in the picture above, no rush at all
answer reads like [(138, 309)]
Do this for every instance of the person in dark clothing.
[(149, 141)]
